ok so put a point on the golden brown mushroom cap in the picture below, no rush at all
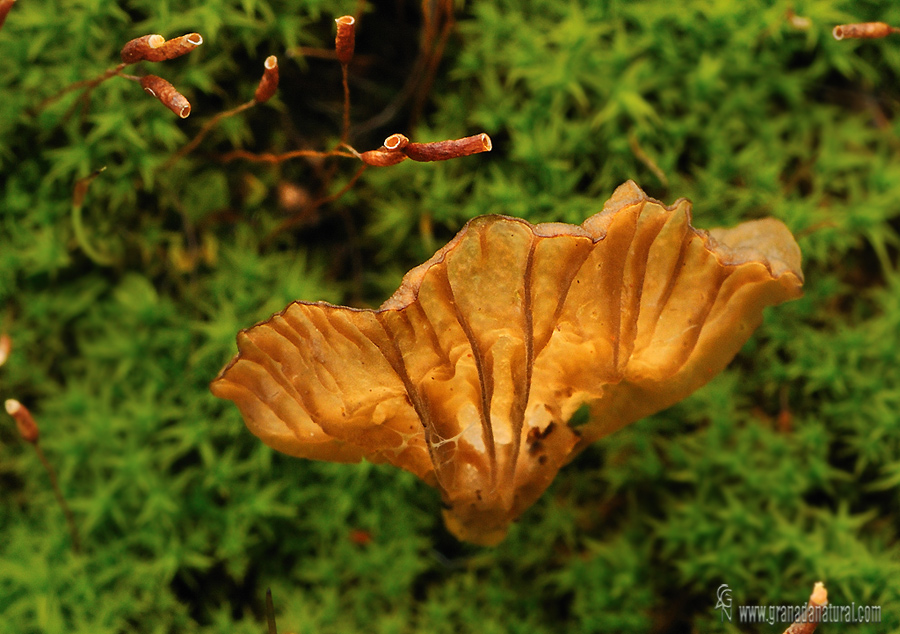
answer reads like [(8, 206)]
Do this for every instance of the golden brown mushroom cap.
[(468, 374)]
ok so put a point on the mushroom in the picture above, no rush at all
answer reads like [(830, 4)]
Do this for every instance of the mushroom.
[(468, 375)]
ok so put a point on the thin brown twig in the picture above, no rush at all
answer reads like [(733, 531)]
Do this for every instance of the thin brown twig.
[(416, 80), (818, 226), (390, 111), (207, 127), (270, 613), (345, 134), (644, 158), (83, 100), (70, 519), (312, 51), (87, 84), (434, 56), (343, 190), (268, 157), (79, 191), (296, 218)]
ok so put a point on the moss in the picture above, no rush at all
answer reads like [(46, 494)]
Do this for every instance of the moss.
[(784, 470)]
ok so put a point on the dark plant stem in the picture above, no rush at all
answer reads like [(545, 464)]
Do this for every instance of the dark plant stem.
[(345, 134), (268, 157), (87, 84), (78, 194), (289, 222), (54, 482), (209, 125), (270, 612)]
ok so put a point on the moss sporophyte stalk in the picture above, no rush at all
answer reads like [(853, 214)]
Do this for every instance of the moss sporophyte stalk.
[(155, 48)]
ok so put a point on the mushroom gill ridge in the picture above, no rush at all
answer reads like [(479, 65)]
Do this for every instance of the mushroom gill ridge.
[(468, 374)]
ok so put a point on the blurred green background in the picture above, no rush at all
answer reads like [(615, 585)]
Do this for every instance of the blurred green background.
[(783, 471)]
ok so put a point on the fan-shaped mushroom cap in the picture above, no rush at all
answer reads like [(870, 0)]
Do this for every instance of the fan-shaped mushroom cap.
[(468, 374)]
